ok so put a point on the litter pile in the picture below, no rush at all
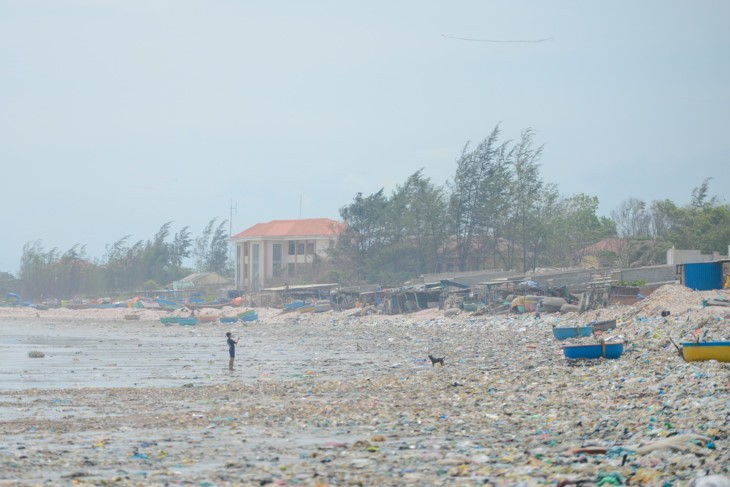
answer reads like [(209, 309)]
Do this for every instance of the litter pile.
[(362, 404)]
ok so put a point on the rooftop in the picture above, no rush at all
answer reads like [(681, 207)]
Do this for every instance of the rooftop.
[(311, 227)]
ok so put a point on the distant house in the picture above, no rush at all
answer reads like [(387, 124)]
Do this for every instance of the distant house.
[(201, 281), (269, 253)]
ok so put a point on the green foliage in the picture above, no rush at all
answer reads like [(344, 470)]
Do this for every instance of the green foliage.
[(126, 266), (479, 200), (150, 285), (211, 249), (702, 225), (496, 212), (575, 227), (388, 239), (635, 283)]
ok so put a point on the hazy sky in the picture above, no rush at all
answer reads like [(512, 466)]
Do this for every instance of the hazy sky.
[(118, 116)]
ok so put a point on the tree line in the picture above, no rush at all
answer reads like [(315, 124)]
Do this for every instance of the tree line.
[(126, 266), (497, 211)]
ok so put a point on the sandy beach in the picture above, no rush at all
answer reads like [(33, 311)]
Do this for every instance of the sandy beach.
[(329, 399)]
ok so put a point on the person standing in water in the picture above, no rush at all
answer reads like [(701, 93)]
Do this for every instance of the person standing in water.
[(231, 349)]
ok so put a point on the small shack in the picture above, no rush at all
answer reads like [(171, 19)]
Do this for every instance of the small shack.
[(704, 276)]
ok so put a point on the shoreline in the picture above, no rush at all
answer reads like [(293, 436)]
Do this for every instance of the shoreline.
[(331, 399)]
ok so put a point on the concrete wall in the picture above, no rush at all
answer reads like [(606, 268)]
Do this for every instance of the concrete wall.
[(468, 278), (657, 273), (576, 279)]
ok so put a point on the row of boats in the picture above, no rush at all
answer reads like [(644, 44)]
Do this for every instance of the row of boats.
[(246, 316), (689, 351)]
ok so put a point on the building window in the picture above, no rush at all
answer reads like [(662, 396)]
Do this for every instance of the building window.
[(300, 248), (245, 249), (292, 248), (310, 248)]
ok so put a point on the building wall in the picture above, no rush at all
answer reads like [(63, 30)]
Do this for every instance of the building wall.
[(677, 257), (260, 261)]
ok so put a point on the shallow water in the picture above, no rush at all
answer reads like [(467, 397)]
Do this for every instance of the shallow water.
[(151, 354)]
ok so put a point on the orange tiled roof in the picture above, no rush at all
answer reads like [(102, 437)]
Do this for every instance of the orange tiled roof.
[(292, 228)]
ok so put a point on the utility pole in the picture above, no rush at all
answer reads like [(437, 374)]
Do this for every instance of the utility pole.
[(230, 220)]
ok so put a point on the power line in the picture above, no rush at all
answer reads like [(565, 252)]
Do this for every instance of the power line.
[(497, 40)]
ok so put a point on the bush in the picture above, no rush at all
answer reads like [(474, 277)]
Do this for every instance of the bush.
[(636, 283)]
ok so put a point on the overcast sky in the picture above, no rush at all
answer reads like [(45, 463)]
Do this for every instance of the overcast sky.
[(118, 116)]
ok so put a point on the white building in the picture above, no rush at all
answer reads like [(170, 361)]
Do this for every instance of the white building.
[(270, 252)]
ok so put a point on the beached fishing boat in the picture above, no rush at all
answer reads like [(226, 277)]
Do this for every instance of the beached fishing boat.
[(594, 351), (307, 308), (187, 321), (131, 317), (106, 305), (564, 332), (296, 304), (602, 325), (167, 304), (250, 315), (168, 320), (228, 319), (206, 319), (193, 306), (470, 306), (694, 352), (322, 306)]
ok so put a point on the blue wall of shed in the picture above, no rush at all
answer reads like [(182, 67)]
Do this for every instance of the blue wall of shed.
[(703, 276)]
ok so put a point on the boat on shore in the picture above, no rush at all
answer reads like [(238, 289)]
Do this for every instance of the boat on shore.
[(565, 332), (594, 351), (196, 306), (322, 306), (699, 351), (296, 304), (604, 325), (250, 315)]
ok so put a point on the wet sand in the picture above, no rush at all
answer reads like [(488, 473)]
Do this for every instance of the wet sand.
[(332, 400)]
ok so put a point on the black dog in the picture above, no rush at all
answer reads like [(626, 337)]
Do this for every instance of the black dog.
[(435, 361)]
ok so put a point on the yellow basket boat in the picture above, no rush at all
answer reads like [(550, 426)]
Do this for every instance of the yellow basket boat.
[(693, 352)]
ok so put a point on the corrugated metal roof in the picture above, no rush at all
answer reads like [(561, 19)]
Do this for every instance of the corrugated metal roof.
[(292, 228)]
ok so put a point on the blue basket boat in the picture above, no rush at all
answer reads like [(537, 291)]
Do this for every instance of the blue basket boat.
[(169, 319), (594, 351), (249, 316), (187, 321), (563, 332), (228, 319)]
